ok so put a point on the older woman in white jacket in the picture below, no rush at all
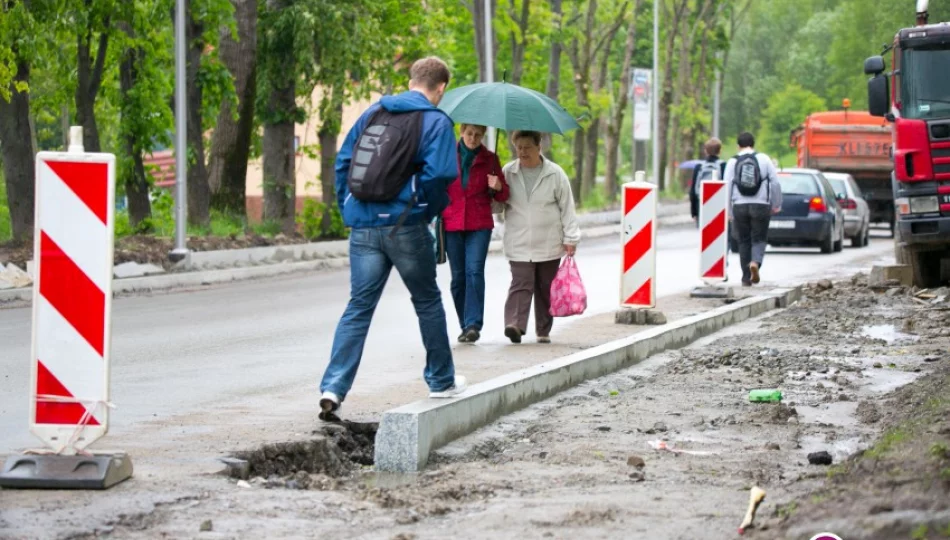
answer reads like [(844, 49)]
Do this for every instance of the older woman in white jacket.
[(540, 228)]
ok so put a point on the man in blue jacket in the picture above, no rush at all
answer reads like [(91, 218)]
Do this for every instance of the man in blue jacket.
[(394, 233)]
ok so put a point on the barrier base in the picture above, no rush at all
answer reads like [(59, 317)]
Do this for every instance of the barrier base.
[(65, 472), (639, 316), (713, 291)]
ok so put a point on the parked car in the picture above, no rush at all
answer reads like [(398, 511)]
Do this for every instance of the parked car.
[(857, 214), (811, 215)]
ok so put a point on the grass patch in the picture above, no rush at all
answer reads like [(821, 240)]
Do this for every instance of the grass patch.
[(162, 222), (891, 438), (785, 511), (940, 451), (6, 228)]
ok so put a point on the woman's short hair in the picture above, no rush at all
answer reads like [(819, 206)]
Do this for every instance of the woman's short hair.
[(483, 129), (533, 135)]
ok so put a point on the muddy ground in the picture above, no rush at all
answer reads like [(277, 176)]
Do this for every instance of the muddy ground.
[(865, 376)]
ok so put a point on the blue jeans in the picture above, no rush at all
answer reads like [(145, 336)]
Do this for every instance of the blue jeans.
[(373, 254), (467, 251)]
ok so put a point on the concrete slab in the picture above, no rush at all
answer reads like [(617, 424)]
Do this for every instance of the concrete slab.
[(408, 434), (713, 291), (881, 275)]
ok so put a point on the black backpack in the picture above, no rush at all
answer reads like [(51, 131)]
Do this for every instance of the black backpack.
[(748, 177), (384, 154)]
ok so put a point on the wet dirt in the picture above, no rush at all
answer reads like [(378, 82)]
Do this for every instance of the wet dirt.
[(666, 449)]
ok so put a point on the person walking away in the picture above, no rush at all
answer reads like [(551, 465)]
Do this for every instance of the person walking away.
[(712, 168), (540, 228), (392, 175), (754, 195), (468, 227)]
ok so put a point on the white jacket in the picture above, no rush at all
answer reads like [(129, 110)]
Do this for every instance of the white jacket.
[(538, 224)]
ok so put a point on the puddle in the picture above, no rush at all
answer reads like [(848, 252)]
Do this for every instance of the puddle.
[(840, 449), (886, 332), (839, 413)]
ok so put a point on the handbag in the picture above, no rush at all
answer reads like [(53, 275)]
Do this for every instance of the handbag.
[(568, 296), (437, 228)]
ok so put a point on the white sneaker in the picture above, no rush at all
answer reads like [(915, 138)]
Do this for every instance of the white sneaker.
[(460, 385), (330, 408)]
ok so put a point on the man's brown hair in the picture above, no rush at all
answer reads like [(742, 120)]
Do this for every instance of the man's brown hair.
[(429, 72), (533, 135), (713, 147)]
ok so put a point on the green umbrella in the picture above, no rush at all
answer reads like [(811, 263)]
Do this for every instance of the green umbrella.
[(508, 107)]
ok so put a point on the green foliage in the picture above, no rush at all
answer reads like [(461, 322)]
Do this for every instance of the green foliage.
[(310, 220), (786, 110), (6, 229)]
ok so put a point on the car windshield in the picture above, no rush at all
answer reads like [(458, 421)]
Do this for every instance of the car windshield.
[(839, 185), (925, 85), (797, 183)]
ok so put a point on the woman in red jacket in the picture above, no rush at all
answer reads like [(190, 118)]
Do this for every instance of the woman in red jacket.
[(468, 226)]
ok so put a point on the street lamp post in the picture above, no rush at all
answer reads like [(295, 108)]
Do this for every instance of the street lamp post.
[(656, 93), (489, 64), (181, 140)]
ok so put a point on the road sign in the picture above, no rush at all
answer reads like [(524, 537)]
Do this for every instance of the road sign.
[(638, 281), (72, 299), (712, 224)]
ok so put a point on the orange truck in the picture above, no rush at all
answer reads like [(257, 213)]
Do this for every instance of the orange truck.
[(852, 142)]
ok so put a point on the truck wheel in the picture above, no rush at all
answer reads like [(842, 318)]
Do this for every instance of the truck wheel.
[(828, 244), (925, 266)]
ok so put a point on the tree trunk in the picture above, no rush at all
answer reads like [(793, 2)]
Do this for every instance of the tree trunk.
[(280, 190), (89, 79), (17, 153), (554, 60), (591, 147), (136, 182), (666, 96), (578, 166), (328, 135), (476, 8), (199, 196), (231, 142), (615, 124)]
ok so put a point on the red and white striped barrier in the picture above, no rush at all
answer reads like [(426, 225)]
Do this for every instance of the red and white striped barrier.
[(72, 298), (638, 232), (712, 223)]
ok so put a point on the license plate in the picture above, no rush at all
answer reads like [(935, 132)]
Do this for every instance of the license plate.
[(781, 224)]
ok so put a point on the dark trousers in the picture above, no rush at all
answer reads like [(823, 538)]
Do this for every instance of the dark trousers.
[(531, 279), (752, 229), (467, 251)]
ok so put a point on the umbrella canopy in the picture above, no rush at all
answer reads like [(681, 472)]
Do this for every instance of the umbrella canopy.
[(690, 164), (508, 107)]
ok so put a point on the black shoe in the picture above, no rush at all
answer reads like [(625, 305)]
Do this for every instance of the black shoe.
[(513, 334), (471, 335), (463, 337)]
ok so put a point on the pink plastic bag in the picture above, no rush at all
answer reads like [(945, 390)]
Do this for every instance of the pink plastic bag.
[(568, 296)]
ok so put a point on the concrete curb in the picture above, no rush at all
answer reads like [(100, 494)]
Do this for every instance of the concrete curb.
[(409, 433), (195, 279), (276, 261)]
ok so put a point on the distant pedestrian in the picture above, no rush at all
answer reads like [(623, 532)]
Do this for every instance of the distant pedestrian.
[(468, 227), (540, 228), (712, 168), (392, 175), (754, 195)]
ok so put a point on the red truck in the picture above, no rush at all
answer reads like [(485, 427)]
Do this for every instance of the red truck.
[(918, 107), (852, 142)]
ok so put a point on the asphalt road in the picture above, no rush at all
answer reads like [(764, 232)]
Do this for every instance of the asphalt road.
[(189, 352)]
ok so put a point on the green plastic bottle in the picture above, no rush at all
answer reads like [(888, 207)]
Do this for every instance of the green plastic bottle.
[(769, 395)]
